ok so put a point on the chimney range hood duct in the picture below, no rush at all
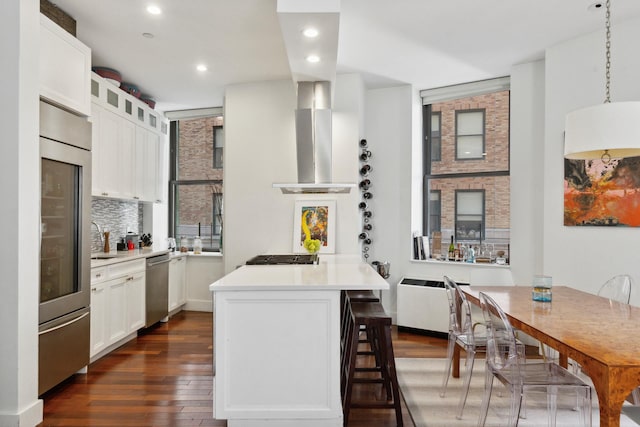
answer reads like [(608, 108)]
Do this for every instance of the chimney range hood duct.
[(313, 142)]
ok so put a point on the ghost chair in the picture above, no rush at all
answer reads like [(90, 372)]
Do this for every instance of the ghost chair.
[(506, 362), (461, 332)]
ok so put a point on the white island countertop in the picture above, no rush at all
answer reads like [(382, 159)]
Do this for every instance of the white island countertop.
[(334, 272)]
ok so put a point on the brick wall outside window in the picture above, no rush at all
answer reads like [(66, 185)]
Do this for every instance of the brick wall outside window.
[(195, 163), (496, 188)]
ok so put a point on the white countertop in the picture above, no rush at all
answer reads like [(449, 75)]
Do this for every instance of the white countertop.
[(335, 272), (122, 256)]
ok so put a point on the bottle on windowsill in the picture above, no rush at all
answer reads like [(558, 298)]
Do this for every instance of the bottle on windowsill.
[(452, 250)]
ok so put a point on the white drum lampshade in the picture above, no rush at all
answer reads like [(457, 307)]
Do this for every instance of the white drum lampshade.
[(613, 127)]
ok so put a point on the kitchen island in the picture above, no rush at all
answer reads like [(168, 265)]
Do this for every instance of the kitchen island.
[(277, 341)]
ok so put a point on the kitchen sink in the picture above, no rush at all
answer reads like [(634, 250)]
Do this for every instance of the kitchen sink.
[(102, 256)]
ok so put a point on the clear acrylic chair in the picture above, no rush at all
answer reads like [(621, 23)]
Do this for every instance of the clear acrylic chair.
[(506, 362), (462, 333), (618, 288)]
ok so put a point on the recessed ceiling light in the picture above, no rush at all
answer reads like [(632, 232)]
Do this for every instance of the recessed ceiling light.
[(154, 10), (310, 32), (201, 67), (313, 58), (147, 35), (596, 6)]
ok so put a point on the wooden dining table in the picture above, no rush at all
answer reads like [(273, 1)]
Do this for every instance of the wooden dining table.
[(601, 335)]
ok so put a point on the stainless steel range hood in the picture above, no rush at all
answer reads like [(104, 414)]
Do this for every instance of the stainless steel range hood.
[(313, 142)]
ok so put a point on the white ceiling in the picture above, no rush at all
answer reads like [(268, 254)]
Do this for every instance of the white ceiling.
[(426, 43)]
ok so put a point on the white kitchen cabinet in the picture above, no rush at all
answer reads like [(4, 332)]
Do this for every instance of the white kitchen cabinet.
[(136, 302), (161, 168), (177, 277), (113, 154), (65, 68), (147, 164), (125, 168), (98, 318), (130, 143), (117, 304)]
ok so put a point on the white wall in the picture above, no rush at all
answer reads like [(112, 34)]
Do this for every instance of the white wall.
[(389, 124), (542, 93), (260, 150), (584, 257), (527, 173), (20, 211)]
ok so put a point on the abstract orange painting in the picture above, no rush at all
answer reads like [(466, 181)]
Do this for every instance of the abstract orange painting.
[(602, 193)]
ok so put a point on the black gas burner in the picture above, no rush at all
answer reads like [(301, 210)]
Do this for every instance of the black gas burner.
[(284, 259)]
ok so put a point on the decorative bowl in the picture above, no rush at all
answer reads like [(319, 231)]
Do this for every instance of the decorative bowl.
[(131, 88)]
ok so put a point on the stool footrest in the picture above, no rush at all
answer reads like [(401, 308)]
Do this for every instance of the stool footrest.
[(371, 318)]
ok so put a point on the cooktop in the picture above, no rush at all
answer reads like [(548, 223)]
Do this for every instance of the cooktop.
[(284, 259)]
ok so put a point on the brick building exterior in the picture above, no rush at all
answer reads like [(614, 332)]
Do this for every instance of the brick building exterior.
[(493, 167), (197, 214)]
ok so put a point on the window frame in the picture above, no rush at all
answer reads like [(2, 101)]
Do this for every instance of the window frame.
[(436, 151), (216, 149), (175, 183), (456, 228), (439, 214), (459, 113), (494, 170)]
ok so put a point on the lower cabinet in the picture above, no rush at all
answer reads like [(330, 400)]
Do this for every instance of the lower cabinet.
[(117, 303), (177, 286), (136, 302), (98, 318)]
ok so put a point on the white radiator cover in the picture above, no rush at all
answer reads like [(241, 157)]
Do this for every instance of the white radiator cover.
[(422, 307)]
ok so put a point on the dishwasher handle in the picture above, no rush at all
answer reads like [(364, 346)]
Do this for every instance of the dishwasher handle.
[(157, 260)]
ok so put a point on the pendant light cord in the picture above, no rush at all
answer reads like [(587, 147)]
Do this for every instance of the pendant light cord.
[(608, 50)]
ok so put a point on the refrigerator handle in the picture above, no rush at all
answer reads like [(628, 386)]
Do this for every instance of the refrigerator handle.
[(46, 331)]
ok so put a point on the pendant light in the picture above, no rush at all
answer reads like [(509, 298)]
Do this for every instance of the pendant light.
[(610, 130)]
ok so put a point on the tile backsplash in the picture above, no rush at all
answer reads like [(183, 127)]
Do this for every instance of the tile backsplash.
[(116, 216)]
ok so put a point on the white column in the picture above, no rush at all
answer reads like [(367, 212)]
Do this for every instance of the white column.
[(19, 211)]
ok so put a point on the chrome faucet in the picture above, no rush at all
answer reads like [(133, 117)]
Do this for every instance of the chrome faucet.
[(99, 233)]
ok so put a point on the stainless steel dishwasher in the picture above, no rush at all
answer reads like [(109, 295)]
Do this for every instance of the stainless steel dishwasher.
[(157, 289)]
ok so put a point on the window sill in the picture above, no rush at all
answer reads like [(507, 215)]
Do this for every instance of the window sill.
[(458, 263)]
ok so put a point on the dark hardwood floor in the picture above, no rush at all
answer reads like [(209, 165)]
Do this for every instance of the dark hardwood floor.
[(164, 378)]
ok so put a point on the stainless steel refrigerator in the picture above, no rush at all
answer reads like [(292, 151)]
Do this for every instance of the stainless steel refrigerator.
[(65, 211)]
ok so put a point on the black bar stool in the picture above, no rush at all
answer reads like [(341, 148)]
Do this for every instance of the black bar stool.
[(346, 297), (373, 318)]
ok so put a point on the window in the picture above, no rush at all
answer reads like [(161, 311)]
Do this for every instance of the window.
[(469, 134), (469, 215), (436, 148), (196, 187), (466, 163), (435, 208), (218, 145)]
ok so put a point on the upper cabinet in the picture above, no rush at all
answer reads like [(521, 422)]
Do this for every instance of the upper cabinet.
[(65, 68), (129, 144)]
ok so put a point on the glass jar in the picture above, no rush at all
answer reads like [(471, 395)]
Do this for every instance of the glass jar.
[(184, 244), (197, 245)]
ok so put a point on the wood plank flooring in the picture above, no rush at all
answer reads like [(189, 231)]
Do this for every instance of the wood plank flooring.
[(164, 378)]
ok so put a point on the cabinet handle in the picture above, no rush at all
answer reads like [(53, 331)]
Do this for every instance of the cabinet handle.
[(94, 289), (99, 275), (129, 278)]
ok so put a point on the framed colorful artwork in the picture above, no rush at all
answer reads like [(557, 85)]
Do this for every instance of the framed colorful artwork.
[(314, 226), (599, 193)]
